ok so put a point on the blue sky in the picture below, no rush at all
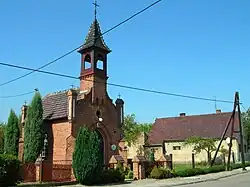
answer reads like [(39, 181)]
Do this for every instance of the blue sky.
[(192, 47)]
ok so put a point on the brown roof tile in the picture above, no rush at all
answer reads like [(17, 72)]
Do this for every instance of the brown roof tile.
[(55, 105), (180, 128)]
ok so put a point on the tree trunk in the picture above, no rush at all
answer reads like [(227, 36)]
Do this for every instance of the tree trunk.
[(209, 157)]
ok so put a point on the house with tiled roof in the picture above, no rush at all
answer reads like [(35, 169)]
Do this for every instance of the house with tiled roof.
[(168, 135), (64, 112)]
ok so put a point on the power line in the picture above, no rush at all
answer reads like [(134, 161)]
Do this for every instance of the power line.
[(18, 95), (121, 86), (243, 107), (68, 53)]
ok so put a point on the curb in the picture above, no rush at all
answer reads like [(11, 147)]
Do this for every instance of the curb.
[(205, 180), (48, 184)]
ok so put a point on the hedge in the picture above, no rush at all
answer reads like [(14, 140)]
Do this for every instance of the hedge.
[(9, 170), (161, 173)]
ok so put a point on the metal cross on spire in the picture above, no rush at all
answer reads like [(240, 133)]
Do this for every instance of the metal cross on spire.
[(119, 96), (96, 5)]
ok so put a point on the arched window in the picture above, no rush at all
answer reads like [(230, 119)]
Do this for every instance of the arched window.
[(87, 62), (99, 63)]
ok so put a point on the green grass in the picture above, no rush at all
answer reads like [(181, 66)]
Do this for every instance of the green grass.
[(180, 167)]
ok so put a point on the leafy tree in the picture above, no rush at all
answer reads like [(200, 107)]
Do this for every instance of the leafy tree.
[(33, 130), (87, 157), (202, 144), (131, 129), (224, 153), (11, 135), (2, 125), (246, 125)]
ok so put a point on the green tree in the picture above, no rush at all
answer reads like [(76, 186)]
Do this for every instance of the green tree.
[(33, 130), (131, 129), (2, 126), (11, 135), (87, 157), (246, 125), (224, 153), (202, 144)]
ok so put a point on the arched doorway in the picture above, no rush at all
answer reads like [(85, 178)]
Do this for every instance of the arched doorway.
[(101, 148)]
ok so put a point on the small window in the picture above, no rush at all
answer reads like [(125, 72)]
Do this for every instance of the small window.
[(176, 147), (100, 63), (87, 62)]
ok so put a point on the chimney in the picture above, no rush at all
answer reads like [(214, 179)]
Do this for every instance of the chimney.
[(182, 114), (218, 111), (72, 95)]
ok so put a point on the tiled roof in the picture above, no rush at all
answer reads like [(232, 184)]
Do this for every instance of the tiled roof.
[(55, 105), (180, 128), (94, 38)]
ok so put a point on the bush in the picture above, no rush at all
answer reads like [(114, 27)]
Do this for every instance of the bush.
[(110, 176), (149, 167), (9, 170), (157, 173), (130, 175), (87, 157)]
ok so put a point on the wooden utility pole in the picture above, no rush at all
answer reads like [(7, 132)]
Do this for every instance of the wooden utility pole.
[(232, 119), (241, 132)]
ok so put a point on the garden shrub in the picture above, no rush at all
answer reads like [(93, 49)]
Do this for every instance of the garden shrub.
[(149, 167), (9, 170), (190, 172), (157, 173), (110, 176), (86, 157), (130, 175), (161, 173)]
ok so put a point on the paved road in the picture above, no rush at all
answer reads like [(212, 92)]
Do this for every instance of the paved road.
[(242, 180)]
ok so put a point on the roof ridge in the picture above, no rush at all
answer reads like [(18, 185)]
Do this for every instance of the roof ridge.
[(61, 92), (194, 115)]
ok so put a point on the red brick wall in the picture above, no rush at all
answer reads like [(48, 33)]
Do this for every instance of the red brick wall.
[(86, 115), (28, 172), (61, 131)]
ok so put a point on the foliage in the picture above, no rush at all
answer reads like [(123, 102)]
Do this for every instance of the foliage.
[(110, 176), (129, 175), (2, 126), (33, 130), (246, 124), (152, 156), (11, 135), (131, 129), (200, 144), (86, 157), (161, 173), (9, 170)]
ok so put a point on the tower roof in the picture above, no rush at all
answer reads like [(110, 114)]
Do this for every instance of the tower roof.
[(94, 38)]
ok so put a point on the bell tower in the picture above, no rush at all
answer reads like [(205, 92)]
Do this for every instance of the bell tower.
[(94, 53)]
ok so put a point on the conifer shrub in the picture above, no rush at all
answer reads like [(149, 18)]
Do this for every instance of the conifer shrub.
[(9, 170), (33, 130), (86, 157), (11, 135)]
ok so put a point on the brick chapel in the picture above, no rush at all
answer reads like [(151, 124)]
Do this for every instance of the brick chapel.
[(64, 112)]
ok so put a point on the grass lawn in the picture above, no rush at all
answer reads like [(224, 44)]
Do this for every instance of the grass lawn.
[(178, 167)]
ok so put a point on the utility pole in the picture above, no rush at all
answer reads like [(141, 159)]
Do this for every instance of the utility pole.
[(231, 119), (241, 132)]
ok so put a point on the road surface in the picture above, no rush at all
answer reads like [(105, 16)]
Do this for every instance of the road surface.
[(241, 180)]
